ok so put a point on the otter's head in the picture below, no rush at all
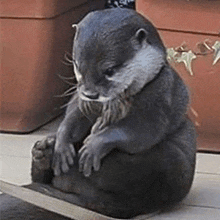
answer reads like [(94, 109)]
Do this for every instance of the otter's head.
[(115, 51)]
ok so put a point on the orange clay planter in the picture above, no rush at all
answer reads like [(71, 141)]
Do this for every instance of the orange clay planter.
[(191, 32), (34, 38)]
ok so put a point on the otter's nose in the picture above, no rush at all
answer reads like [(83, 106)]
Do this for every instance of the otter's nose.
[(91, 95)]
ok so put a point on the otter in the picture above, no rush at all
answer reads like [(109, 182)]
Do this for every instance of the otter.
[(125, 146)]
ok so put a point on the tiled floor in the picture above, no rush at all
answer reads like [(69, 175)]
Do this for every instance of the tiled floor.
[(202, 203)]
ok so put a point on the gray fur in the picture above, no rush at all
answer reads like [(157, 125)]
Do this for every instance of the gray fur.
[(125, 146)]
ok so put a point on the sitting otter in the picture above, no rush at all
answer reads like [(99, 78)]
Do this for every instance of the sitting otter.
[(125, 146)]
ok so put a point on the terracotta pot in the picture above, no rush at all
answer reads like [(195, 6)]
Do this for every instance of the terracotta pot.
[(34, 38), (192, 28)]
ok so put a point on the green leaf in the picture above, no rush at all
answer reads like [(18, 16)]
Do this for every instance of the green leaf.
[(171, 53), (216, 47), (186, 58)]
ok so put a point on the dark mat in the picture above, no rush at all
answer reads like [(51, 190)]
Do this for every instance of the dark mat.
[(12, 208)]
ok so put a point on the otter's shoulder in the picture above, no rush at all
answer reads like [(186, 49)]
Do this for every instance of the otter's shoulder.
[(166, 85)]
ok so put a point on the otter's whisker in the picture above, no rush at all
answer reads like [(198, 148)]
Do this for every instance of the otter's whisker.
[(66, 63), (69, 103), (65, 95), (69, 92), (70, 58), (65, 105), (82, 107), (70, 89), (67, 82), (66, 79)]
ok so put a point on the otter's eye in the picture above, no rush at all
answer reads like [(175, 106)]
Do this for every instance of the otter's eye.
[(109, 72)]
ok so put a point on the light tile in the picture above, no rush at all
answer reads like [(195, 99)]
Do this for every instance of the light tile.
[(189, 213), (17, 145), (15, 170), (205, 191), (208, 163)]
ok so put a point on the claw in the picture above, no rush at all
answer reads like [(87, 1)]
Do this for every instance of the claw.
[(70, 159), (65, 167), (87, 173), (57, 170), (81, 151), (40, 145), (72, 149), (56, 165), (37, 154), (81, 162), (87, 166), (37, 144), (96, 163), (50, 141)]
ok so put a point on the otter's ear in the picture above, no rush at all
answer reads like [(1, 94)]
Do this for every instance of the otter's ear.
[(75, 26), (141, 35)]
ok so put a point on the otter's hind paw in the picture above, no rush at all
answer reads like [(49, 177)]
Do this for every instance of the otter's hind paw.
[(42, 154)]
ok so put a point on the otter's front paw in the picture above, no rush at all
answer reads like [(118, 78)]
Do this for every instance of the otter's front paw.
[(91, 154), (89, 158), (63, 157), (42, 154)]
